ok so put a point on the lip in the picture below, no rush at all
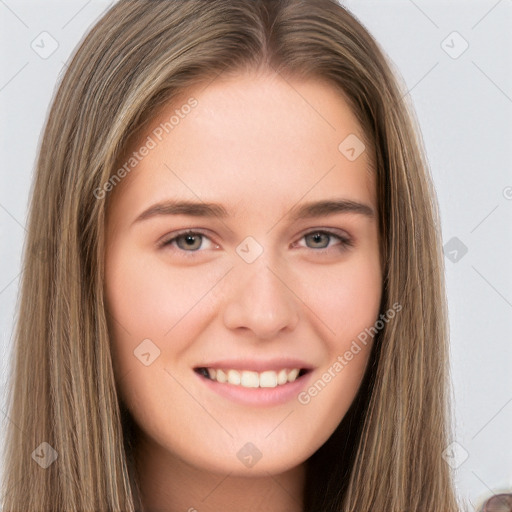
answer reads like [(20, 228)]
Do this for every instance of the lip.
[(257, 365), (258, 397)]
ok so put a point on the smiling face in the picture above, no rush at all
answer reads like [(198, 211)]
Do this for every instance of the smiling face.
[(267, 282)]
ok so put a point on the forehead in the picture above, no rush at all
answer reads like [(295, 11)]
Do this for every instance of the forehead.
[(254, 139)]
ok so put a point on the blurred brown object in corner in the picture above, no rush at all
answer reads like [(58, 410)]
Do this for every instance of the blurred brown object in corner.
[(498, 503)]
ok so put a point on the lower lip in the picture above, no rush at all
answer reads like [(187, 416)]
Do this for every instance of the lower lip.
[(262, 397)]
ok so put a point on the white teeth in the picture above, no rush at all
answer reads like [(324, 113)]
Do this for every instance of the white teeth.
[(268, 379), (282, 377), (293, 375), (234, 377), (251, 379)]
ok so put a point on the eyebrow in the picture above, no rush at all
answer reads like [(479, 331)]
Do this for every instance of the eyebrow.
[(303, 211)]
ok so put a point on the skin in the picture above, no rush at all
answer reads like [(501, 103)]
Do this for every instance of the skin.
[(258, 145)]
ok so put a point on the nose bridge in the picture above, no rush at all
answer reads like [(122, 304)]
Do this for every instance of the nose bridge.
[(259, 299)]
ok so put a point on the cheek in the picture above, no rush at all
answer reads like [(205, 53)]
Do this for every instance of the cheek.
[(345, 297), (149, 296), (347, 301), (152, 300)]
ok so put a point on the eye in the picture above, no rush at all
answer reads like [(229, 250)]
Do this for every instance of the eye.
[(320, 239), (188, 241)]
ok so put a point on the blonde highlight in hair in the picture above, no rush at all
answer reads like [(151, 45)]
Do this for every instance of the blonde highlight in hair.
[(386, 454)]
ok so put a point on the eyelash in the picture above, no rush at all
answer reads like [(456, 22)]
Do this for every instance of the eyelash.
[(345, 241)]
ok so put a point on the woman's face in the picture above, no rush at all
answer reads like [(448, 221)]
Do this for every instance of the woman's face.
[(270, 282)]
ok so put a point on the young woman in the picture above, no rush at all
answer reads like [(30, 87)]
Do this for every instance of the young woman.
[(241, 303)]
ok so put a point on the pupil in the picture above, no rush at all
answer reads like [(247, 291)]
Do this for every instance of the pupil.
[(190, 240), (317, 237)]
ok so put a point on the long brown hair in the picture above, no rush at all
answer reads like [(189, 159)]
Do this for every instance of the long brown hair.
[(386, 454)]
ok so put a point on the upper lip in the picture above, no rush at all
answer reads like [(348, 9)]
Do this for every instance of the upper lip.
[(257, 365)]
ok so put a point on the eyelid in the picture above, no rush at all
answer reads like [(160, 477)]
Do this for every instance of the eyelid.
[(346, 241), (336, 232), (167, 239)]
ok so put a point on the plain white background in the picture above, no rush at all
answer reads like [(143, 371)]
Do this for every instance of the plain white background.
[(455, 62)]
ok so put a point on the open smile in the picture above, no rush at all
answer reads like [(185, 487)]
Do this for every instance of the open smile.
[(248, 387)]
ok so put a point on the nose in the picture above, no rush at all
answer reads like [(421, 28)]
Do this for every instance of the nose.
[(261, 301)]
